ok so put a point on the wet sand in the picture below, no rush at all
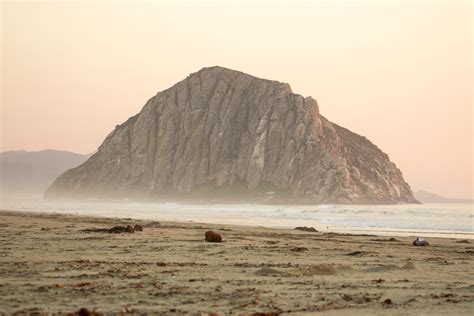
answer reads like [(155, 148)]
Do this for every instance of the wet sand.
[(48, 265)]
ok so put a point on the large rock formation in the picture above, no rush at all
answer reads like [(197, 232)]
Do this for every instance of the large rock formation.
[(221, 134)]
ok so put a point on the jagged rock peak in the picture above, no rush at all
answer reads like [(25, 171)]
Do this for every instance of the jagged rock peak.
[(221, 134)]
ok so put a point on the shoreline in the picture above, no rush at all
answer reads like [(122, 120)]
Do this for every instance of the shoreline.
[(54, 263), (232, 219)]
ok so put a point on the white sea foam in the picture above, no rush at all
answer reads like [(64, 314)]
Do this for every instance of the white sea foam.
[(448, 220)]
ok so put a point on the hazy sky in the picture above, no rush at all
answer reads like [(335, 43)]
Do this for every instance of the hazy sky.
[(397, 72)]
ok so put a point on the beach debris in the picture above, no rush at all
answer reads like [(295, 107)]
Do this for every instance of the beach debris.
[(307, 229), (211, 236), (86, 312), (138, 228), (268, 271), (299, 249), (463, 241), (378, 281), (85, 284), (272, 242), (357, 253), (420, 242), (263, 314), (390, 239), (452, 300), (447, 295), (121, 229), (96, 230), (346, 297), (115, 229)]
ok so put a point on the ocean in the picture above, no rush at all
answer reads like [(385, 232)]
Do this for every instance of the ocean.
[(425, 220)]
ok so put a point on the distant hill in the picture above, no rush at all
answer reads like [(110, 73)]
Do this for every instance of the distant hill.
[(428, 197), (26, 173)]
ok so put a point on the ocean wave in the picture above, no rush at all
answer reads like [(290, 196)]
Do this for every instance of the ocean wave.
[(448, 217)]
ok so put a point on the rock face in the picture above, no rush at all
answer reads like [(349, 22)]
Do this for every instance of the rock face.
[(220, 135)]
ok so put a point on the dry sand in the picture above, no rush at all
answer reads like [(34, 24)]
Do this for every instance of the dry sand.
[(49, 265)]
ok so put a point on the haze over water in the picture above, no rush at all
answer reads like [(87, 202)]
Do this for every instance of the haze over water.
[(440, 220)]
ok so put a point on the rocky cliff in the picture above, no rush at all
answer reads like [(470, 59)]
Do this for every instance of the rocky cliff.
[(221, 134)]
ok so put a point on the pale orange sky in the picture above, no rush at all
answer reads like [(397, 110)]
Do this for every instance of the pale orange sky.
[(397, 72)]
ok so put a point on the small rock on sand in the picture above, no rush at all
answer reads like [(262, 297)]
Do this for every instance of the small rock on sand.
[(387, 302), (138, 228), (211, 236)]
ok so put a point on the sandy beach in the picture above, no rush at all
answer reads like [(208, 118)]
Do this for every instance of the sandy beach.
[(51, 264)]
